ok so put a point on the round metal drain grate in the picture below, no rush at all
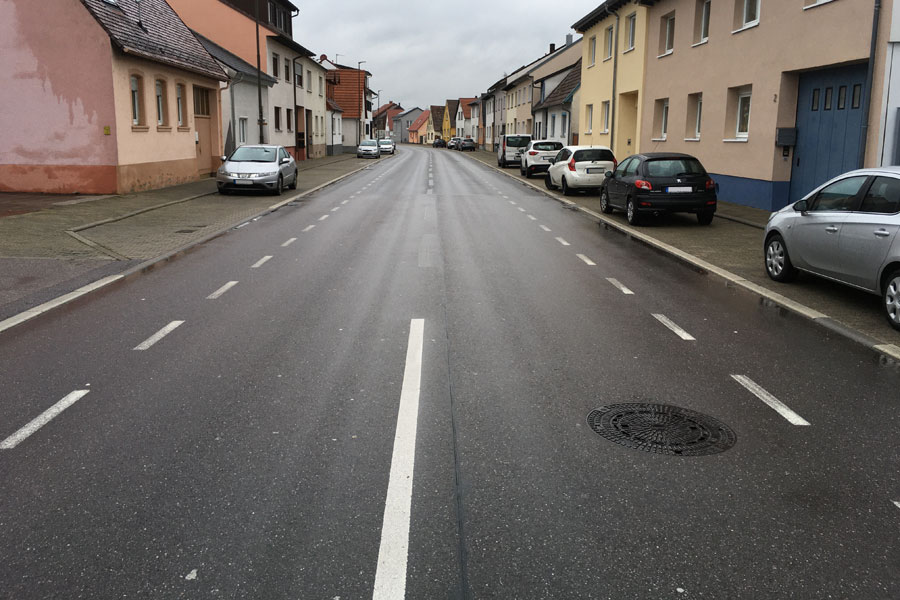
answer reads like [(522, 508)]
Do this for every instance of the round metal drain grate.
[(662, 429)]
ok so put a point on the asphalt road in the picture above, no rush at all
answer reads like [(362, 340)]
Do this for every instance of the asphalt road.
[(393, 398)]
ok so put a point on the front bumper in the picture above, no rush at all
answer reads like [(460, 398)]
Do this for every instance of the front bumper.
[(266, 182)]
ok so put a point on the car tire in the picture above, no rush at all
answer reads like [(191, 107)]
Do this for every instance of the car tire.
[(224, 191), (528, 173), (502, 163), (891, 298), (279, 187), (605, 206), (566, 190), (631, 213), (777, 260), (293, 185), (705, 217), (549, 182), (521, 170)]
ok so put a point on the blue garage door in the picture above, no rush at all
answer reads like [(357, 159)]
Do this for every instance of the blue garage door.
[(829, 117)]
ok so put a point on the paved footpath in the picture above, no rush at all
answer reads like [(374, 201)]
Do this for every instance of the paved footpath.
[(734, 242), (51, 245)]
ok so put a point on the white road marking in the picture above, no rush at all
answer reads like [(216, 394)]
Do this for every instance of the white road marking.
[(336, 208), (345, 202), (563, 242), (159, 335), (532, 217), (44, 418), (289, 242), (309, 228), (896, 503), (520, 209), (616, 283), (323, 217), (545, 228), (222, 290), (393, 553), (678, 330), (586, 260), (776, 404), (260, 262)]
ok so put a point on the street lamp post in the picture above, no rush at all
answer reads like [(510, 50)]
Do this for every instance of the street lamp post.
[(359, 81), (377, 106)]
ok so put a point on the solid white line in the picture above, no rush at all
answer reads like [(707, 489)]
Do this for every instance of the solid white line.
[(390, 576), (532, 217), (289, 242), (545, 228), (222, 290), (678, 330), (159, 335), (563, 242), (616, 283), (44, 418), (771, 400), (308, 228), (586, 260), (323, 217), (260, 262)]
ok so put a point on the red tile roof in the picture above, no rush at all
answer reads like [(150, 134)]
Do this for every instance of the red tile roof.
[(423, 118), (466, 106)]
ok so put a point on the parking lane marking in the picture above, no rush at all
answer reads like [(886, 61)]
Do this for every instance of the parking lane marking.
[(393, 553), (675, 328), (311, 227), (261, 262), (222, 290), (159, 335), (289, 242), (586, 260), (563, 242), (616, 283), (42, 419), (773, 402), (545, 228)]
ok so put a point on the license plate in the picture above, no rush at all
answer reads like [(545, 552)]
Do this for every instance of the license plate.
[(547, 157), (243, 182), (680, 190), (593, 171)]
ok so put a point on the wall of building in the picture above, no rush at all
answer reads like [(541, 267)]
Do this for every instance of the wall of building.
[(228, 28), (54, 117)]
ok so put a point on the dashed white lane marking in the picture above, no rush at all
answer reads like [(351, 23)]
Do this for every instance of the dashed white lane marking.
[(616, 283), (44, 418), (393, 553), (261, 262), (773, 402), (586, 260), (309, 228), (511, 202), (289, 242), (520, 209), (545, 228), (336, 208), (675, 328), (345, 202), (896, 503), (222, 290), (159, 335), (323, 217), (532, 217), (563, 242)]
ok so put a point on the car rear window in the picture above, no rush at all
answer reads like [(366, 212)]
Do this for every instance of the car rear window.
[(594, 154), (673, 167), (546, 146), (517, 141)]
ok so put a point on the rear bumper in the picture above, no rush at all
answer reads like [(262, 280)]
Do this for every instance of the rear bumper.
[(538, 167), (690, 203)]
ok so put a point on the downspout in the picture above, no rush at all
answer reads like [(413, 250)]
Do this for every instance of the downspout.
[(231, 84), (296, 117), (612, 108), (870, 74)]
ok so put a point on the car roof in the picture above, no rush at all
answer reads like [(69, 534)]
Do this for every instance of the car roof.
[(586, 147), (273, 146), (665, 155)]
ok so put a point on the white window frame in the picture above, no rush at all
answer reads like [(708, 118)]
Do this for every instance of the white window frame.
[(664, 124), (592, 50), (747, 4), (179, 103), (698, 120), (738, 134), (670, 36), (242, 130), (589, 118), (704, 21), (309, 85), (553, 125), (159, 88), (608, 39), (135, 82), (605, 115), (563, 124), (631, 29)]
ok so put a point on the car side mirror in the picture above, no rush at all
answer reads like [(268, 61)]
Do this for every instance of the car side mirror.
[(285, 161), (801, 207), (223, 158), (609, 174)]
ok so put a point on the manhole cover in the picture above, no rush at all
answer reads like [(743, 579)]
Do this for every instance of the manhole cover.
[(662, 429)]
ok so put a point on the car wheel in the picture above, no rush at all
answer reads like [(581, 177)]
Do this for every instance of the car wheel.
[(279, 187), (503, 163), (631, 213), (605, 206), (566, 190), (705, 217), (293, 185), (224, 191), (528, 173), (521, 170), (548, 181), (891, 299), (778, 262)]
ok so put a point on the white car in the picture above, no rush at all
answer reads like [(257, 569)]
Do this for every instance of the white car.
[(536, 156), (509, 150), (386, 146), (580, 168)]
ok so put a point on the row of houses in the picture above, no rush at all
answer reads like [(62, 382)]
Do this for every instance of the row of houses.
[(114, 96), (773, 96)]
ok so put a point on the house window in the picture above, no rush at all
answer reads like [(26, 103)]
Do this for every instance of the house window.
[(746, 14), (563, 124), (179, 103), (589, 118), (552, 125), (592, 50), (201, 102), (608, 43), (277, 118), (137, 100), (287, 70), (309, 80), (857, 96), (161, 116), (661, 119), (298, 78), (842, 97), (276, 60), (694, 116), (321, 86), (743, 114), (667, 34), (242, 130), (701, 22), (289, 116), (605, 116), (828, 94), (630, 31), (272, 13), (815, 99)]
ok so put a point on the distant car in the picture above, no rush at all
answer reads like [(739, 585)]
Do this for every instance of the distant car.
[(368, 148), (844, 230), (259, 167), (386, 146), (467, 144), (439, 143), (536, 156), (660, 182), (509, 150), (451, 145), (579, 168)]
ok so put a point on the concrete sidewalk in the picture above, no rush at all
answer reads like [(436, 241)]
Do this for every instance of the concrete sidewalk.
[(51, 245), (734, 242)]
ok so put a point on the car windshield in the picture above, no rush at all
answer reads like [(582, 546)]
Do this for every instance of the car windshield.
[(547, 146), (517, 141), (368, 143), (673, 167), (254, 154), (385, 142), (593, 154)]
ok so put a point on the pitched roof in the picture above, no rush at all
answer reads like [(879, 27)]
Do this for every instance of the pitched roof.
[(437, 117), (234, 62), (408, 111), (466, 104), (452, 107), (423, 118), (601, 12), (562, 92), (386, 108), (155, 33), (333, 106), (289, 43)]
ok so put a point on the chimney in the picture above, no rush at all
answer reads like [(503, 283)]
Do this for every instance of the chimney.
[(568, 39), (552, 48)]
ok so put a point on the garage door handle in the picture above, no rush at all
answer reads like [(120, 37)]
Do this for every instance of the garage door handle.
[(882, 233), (831, 229)]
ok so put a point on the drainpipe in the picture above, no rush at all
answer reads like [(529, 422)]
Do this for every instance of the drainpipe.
[(239, 78), (296, 117), (870, 73), (612, 107)]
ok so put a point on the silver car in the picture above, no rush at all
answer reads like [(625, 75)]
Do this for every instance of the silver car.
[(846, 231), (261, 167), (368, 148)]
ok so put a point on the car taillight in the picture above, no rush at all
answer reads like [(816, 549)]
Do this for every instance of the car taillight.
[(643, 185), (710, 185), (572, 164), (532, 153), (615, 164)]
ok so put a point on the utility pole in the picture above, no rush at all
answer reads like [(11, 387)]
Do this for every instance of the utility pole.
[(262, 135)]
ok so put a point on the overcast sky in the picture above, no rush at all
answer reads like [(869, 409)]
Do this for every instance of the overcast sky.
[(422, 52)]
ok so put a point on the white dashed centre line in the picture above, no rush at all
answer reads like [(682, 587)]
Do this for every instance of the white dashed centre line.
[(563, 242), (159, 335), (545, 228), (532, 217), (586, 260), (773, 402), (323, 217), (336, 208), (520, 209), (309, 228), (289, 242), (222, 290), (261, 262), (345, 202), (896, 503), (675, 328), (44, 418), (616, 283)]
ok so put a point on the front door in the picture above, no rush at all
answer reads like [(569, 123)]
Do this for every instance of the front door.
[(829, 118), (867, 233), (203, 131)]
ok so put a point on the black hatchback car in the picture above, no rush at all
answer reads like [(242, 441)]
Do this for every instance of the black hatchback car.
[(659, 182), (439, 143)]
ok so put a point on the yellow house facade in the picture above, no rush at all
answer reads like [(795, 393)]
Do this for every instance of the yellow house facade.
[(612, 75), (449, 126)]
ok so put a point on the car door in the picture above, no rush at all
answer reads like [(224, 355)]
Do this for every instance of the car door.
[(285, 168), (615, 187), (815, 234), (554, 171), (867, 233)]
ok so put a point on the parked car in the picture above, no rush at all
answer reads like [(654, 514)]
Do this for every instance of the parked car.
[(844, 230), (509, 150), (536, 156), (386, 146), (659, 182), (579, 168), (451, 145), (259, 167), (467, 144), (368, 148), (438, 143)]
